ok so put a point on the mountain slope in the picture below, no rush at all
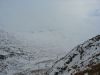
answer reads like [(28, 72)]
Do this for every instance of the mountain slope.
[(80, 58), (18, 56), (13, 57)]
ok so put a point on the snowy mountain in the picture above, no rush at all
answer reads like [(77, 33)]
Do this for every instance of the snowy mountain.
[(78, 59), (20, 58), (15, 56)]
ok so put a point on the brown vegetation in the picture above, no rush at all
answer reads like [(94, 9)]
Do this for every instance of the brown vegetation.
[(94, 70)]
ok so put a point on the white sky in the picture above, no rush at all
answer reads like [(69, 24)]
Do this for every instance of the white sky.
[(52, 24)]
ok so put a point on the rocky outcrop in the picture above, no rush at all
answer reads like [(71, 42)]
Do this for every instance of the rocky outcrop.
[(78, 59)]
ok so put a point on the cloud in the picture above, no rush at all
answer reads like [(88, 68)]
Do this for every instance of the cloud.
[(67, 21), (95, 13)]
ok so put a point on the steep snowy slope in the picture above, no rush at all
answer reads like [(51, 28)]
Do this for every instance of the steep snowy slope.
[(80, 58)]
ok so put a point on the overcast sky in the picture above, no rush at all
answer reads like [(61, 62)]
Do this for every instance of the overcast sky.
[(60, 24)]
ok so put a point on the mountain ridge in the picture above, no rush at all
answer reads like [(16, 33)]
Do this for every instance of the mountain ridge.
[(78, 58)]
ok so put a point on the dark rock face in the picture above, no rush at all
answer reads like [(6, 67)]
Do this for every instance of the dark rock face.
[(2, 57), (97, 38)]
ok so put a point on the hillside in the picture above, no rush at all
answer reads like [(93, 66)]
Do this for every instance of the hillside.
[(18, 58), (79, 59), (15, 56)]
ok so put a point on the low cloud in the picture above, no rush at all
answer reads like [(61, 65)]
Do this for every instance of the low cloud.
[(68, 22)]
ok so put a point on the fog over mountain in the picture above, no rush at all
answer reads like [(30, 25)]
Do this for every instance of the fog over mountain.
[(60, 24), (36, 33)]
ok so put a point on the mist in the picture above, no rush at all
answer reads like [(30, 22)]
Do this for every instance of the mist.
[(51, 24)]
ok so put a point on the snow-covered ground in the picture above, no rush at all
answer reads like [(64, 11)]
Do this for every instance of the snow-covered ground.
[(79, 58), (18, 55)]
